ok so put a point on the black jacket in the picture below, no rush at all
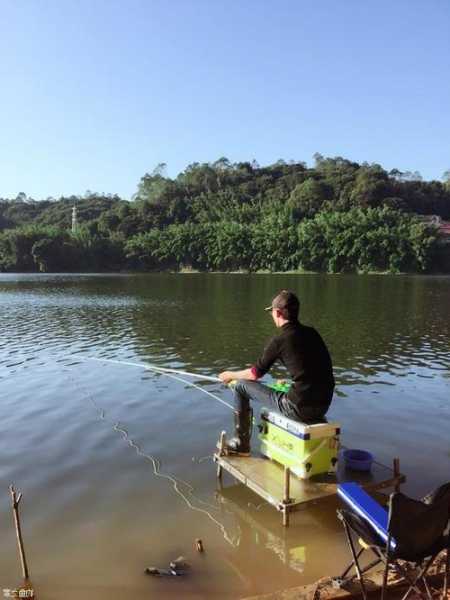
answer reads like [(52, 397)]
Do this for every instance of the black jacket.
[(304, 354)]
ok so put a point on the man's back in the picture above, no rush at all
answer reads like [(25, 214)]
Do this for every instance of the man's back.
[(303, 352), (305, 355)]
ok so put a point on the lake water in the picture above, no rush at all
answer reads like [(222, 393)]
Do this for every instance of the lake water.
[(78, 436)]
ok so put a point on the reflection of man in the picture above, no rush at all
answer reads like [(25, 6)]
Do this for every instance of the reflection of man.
[(304, 354)]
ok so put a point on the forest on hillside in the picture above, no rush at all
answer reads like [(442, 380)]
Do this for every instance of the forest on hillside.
[(338, 216)]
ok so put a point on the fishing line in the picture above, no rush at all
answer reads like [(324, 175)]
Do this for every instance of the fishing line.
[(174, 480), (173, 373), (201, 390), (156, 464), (202, 458)]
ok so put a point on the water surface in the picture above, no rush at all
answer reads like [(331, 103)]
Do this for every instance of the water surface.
[(78, 436)]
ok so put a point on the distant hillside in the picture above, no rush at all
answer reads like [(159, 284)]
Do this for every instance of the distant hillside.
[(26, 211), (337, 216)]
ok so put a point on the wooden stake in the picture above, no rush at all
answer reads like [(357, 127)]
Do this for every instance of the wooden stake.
[(222, 442), (286, 498), (287, 485), (15, 505), (396, 462)]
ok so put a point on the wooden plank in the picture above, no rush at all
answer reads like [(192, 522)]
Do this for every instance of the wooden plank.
[(266, 478)]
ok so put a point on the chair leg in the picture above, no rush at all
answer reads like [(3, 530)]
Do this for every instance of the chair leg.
[(352, 564), (413, 582), (386, 566), (427, 589), (371, 565), (447, 565), (343, 577), (416, 589), (412, 585), (422, 576), (385, 576), (355, 561)]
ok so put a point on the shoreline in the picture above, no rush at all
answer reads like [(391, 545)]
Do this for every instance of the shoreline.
[(323, 588), (235, 272)]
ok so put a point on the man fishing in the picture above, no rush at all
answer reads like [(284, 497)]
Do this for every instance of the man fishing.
[(304, 354)]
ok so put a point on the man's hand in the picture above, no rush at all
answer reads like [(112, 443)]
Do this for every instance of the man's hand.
[(226, 376)]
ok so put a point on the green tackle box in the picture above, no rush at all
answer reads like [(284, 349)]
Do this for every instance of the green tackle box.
[(306, 449)]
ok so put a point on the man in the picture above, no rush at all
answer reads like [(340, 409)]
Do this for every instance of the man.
[(304, 354)]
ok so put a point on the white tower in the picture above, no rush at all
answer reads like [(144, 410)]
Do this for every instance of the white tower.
[(74, 219)]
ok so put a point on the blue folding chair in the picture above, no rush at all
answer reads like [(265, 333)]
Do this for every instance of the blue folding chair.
[(415, 531)]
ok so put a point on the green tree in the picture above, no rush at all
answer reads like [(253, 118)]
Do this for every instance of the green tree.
[(446, 178), (307, 198), (372, 186)]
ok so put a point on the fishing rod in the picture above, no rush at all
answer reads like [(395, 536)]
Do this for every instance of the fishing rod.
[(151, 367), (172, 373)]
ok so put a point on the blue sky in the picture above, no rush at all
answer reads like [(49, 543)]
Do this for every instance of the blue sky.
[(95, 93)]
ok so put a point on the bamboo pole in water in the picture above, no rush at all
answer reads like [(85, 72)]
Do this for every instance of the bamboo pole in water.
[(15, 506)]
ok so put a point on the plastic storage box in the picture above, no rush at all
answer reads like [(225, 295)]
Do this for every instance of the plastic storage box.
[(306, 449)]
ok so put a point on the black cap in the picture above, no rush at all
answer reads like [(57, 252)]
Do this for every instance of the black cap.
[(285, 300)]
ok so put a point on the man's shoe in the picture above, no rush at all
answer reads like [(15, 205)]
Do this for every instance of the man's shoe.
[(239, 445)]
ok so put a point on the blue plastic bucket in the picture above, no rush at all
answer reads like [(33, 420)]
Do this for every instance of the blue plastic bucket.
[(358, 460)]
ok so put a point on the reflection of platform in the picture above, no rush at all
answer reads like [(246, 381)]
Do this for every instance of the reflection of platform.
[(288, 493), (259, 529)]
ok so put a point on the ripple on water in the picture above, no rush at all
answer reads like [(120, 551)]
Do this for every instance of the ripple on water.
[(88, 487)]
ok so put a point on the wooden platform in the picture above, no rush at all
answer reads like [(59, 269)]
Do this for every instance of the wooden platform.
[(287, 493)]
